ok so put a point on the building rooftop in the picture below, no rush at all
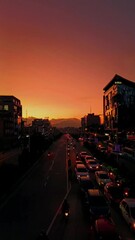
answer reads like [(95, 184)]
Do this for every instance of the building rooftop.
[(117, 79)]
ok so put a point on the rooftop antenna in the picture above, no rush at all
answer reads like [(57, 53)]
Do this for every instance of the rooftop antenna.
[(90, 109), (26, 117)]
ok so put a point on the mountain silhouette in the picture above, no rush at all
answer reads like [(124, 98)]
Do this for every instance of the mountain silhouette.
[(59, 123), (66, 122)]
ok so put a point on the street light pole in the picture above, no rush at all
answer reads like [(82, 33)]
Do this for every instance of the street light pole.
[(67, 165)]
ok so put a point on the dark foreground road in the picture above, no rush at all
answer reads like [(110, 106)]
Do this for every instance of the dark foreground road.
[(77, 227)]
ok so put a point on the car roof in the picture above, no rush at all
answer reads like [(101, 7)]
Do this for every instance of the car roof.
[(79, 162), (80, 165), (101, 172), (94, 192), (83, 152), (90, 156), (92, 161), (85, 178), (104, 225)]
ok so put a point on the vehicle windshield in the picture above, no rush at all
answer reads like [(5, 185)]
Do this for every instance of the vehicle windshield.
[(103, 176), (87, 184), (97, 201), (82, 170), (132, 210), (89, 158), (92, 162)]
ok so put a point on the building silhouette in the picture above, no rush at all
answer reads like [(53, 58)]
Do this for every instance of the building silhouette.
[(10, 119), (90, 122), (42, 126), (119, 105)]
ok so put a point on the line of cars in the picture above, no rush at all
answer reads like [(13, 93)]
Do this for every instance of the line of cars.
[(98, 199)]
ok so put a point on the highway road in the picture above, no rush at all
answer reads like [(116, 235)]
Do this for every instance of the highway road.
[(79, 226), (36, 202)]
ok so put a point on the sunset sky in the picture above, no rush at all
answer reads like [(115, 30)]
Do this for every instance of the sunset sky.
[(56, 56)]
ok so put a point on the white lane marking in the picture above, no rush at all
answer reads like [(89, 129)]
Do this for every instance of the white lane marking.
[(57, 212), (48, 174)]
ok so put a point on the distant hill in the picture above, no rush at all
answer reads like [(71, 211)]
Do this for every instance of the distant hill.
[(65, 122), (59, 123)]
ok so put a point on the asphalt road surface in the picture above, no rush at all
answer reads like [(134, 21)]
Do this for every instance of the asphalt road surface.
[(36, 202)]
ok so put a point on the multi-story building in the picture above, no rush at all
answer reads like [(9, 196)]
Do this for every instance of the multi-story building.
[(90, 122), (83, 124), (119, 105), (10, 117), (42, 126)]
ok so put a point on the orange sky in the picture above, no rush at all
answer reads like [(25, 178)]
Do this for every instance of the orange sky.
[(57, 56)]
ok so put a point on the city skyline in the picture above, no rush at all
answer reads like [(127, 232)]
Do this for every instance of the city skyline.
[(57, 56)]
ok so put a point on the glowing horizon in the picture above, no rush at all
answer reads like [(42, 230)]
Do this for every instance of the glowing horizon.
[(56, 57)]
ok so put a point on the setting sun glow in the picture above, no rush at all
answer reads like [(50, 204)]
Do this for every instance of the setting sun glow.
[(57, 56)]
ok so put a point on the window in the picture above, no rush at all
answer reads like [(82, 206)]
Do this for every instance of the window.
[(1, 107), (6, 107), (15, 108)]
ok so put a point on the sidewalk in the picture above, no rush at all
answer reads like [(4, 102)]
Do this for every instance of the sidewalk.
[(10, 156)]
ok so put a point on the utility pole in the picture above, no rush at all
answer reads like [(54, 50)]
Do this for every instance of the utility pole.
[(26, 117), (90, 109)]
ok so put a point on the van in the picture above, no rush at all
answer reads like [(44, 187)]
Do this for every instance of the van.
[(97, 205)]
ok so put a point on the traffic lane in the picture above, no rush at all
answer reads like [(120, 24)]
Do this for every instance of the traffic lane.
[(78, 225), (117, 218), (27, 211), (122, 227), (115, 215)]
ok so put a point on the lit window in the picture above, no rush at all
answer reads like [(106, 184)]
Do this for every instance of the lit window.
[(1, 107), (6, 107)]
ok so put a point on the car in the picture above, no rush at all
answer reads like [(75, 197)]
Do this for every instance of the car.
[(114, 192), (81, 170), (83, 154), (105, 229), (127, 208), (93, 165), (80, 139), (96, 204), (85, 183), (88, 157), (78, 162), (102, 178), (102, 149)]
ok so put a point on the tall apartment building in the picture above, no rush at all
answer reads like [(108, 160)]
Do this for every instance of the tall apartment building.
[(10, 116), (119, 105), (90, 122), (41, 126)]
